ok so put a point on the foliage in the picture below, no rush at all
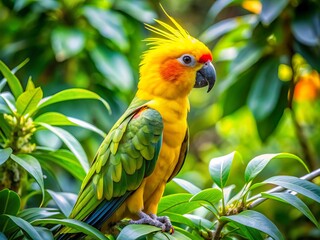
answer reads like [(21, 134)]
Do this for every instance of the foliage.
[(22, 116), (262, 50), (221, 213)]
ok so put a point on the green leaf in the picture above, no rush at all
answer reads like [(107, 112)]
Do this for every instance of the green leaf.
[(66, 42), (30, 214), (271, 9), (140, 10), (114, 66), (77, 225), (71, 94), (135, 231), (268, 125), (181, 219), (188, 186), (4, 155), (247, 232), (210, 196), (304, 28), (257, 221), (63, 158), (177, 203), (230, 98), (219, 168), (224, 26), (56, 119), (7, 102), (200, 221), (295, 202), (65, 201), (28, 101), (12, 80), (266, 89), (109, 24), (72, 143), (298, 185), (2, 236), (257, 164), (30, 85), (10, 203), (218, 6), (247, 56), (32, 166), (26, 227)]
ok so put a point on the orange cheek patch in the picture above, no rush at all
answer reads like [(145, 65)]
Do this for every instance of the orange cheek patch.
[(171, 70)]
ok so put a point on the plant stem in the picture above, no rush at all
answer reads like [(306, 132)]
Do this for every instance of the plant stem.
[(217, 233), (308, 177)]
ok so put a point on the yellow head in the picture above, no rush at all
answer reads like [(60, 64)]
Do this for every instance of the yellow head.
[(175, 63)]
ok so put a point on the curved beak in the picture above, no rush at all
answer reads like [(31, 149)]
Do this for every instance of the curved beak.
[(206, 76)]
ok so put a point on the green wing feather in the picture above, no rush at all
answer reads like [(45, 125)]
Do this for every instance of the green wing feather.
[(127, 155)]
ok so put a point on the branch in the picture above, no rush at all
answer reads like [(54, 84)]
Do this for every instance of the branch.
[(308, 177)]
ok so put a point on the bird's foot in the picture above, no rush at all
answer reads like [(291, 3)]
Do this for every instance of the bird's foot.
[(152, 219)]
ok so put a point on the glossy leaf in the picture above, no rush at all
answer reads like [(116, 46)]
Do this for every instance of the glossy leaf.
[(293, 201), (265, 91), (180, 219), (58, 119), (306, 28), (220, 167), (223, 27), (64, 159), (257, 221), (65, 201), (12, 80), (26, 227), (72, 143), (27, 102), (210, 196), (10, 203), (66, 42), (71, 94), (113, 66), (188, 186), (30, 214), (298, 185), (135, 231), (109, 24), (218, 6), (177, 203), (77, 225), (32, 166), (140, 10), (247, 56), (268, 125), (271, 10), (257, 164), (7, 102), (200, 221), (4, 155)]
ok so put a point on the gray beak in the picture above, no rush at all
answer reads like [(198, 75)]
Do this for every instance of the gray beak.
[(206, 76)]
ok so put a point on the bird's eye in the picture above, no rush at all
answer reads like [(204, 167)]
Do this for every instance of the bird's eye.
[(187, 60)]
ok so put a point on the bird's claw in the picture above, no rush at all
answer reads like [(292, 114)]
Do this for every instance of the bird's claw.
[(152, 219)]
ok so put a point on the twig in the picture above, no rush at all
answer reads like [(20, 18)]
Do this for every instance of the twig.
[(308, 177)]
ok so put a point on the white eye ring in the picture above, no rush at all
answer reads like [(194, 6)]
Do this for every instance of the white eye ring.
[(187, 60)]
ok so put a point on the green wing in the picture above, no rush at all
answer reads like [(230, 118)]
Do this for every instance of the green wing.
[(127, 155)]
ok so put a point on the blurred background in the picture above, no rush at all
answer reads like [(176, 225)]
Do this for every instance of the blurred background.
[(266, 98)]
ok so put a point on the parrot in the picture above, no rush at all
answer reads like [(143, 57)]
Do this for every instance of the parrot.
[(147, 146)]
